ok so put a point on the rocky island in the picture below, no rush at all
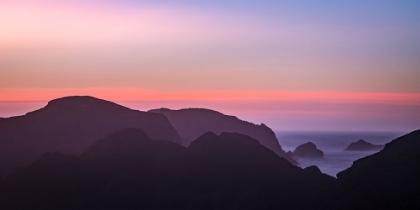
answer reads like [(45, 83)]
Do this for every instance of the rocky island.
[(362, 145), (307, 150)]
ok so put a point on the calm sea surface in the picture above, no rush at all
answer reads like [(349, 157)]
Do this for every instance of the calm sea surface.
[(333, 145)]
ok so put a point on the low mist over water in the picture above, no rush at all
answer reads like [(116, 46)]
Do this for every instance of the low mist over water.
[(333, 144)]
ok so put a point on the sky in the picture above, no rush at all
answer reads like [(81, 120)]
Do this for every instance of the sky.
[(293, 65)]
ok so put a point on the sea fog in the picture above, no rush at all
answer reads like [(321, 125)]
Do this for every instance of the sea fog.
[(333, 145)]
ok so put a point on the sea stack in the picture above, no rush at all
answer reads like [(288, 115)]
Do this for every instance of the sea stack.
[(362, 145), (308, 150)]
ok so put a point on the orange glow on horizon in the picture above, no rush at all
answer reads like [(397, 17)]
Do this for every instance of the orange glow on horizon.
[(133, 94)]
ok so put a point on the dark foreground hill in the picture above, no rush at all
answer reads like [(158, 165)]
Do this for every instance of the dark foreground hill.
[(69, 125), (389, 179), (192, 123), (127, 170)]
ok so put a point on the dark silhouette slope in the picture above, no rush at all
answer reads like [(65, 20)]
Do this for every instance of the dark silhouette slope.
[(362, 145), (70, 125), (127, 170), (308, 150), (132, 147), (192, 123), (389, 179)]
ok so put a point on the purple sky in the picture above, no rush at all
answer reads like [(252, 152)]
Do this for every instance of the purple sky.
[(293, 65)]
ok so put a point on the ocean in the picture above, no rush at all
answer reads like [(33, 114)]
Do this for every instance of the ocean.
[(333, 145)]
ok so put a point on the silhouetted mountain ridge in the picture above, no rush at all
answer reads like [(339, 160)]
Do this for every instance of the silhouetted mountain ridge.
[(193, 122), (128, 170), (70, 125), (112, 157), (132, 146), (78, 102)]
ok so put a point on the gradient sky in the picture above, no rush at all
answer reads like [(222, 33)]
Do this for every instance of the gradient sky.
[(294, 65)]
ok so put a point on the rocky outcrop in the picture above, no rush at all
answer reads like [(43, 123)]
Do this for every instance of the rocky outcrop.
[(362, 145), (308, 150), (192, 123)]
